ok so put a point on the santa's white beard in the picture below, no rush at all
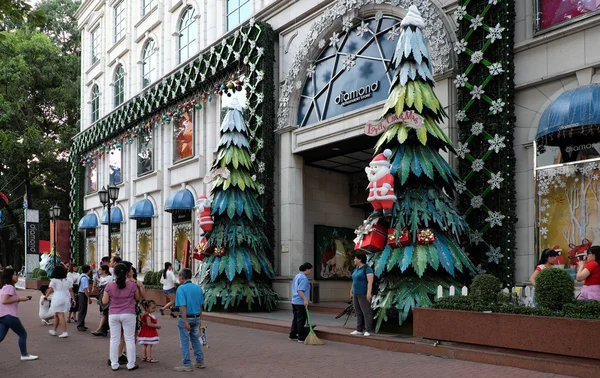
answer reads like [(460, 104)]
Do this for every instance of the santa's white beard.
[(377, 175)]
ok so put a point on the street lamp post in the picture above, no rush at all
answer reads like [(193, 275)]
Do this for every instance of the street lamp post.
[(108, 198), (54, 214)]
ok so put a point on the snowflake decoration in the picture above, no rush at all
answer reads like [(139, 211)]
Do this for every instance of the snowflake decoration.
[(477, 165), (252, 44), (478, 270), (495, 33), (260, 144), (543, 230), (298, 84), (495, 218), (476, 202), (497, 143), (477, 92), (362, 29), (259, 120), (497, 106), (460, 46), (493, 2), (236, 55), (496, 180), (393, 34), (495, 69), (349, 62), (461, 80), (260, 51), (322, 43), (261, 167), (334, 39), (259, 75), (476, 22), (460, 13), (252, 21), (347, 24), (461, 115), (260, 98), (252, 158), (261, 189), (462, 149), (544, 220), (246, 59), (378, 16), (310, 71), (476, 237), (253, 178), (477, 128), (476, 57), (595, 177), (494, 255), (460, 187)]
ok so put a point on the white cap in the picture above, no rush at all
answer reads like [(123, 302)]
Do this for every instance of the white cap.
[(413, 17)]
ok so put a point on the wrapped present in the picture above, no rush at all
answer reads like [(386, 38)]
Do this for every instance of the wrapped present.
[(394, 241), (202, 250), (425, 236), (370, 237), (219, 251)]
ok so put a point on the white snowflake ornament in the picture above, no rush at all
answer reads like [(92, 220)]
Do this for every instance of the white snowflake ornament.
[(476, 202), (496, 180), (494, 255), (477, 128), (495, 218), (476, 22), (462, 149), (476, 57), (477, 92), (497, 106), (497, 143), (477, 165), (495, 33)]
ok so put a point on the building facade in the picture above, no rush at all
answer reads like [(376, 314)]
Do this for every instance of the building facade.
[(330, 78)]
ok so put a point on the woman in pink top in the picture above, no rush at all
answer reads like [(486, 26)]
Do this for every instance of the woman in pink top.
[(9, 305), (122, 296)]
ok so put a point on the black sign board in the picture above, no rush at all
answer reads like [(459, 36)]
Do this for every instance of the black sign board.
[(115, 227), (144, 223), (182, 217), (33, 238)]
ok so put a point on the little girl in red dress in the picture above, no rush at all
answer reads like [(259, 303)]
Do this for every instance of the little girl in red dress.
[(148, 335)]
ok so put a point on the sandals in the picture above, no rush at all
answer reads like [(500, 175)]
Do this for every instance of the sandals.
[(150, 360)]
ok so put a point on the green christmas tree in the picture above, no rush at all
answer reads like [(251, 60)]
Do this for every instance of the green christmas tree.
[(410, 274), (239, 271)]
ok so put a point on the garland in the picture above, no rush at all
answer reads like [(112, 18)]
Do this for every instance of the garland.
[(249, 49), (486, 122)]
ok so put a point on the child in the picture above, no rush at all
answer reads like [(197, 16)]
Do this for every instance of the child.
[(45, 313), (148, 335)]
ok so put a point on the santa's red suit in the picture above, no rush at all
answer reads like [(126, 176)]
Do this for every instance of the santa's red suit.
[(381, 182), (205, 220)]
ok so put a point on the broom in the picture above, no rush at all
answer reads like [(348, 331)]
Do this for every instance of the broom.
[(312, 338)]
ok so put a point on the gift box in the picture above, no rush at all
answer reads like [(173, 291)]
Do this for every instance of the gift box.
[(219, 252), (394, 242), (372, 239), (425, 236)]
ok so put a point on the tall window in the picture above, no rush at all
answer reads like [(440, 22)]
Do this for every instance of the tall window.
[(145, 153), (554, 12), (115, 158), (183, 136), (91, 178), (119, 85), (237, 11), (147, 6), (119, 21), (95, 103), (188, 29), (149, 63), (95, 48)]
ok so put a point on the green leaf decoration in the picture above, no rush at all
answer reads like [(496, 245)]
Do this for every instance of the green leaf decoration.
[(380, 264), (407, 257), (396, 255), (419, 260), (422, 135)]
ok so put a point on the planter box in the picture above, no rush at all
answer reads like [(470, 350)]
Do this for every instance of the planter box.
[(36, 284), (557, 336), (157, 296)]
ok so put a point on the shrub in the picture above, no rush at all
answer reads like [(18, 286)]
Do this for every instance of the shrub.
[(484, 289), (149, 278), (554, 289), (36, 273), (42, 274), (586, 309), (157, 277)]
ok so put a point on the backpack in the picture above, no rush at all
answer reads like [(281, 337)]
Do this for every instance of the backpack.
[(375, 287)]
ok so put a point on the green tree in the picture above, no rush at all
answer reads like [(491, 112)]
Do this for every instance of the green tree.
[(242, 274), (409, 275)]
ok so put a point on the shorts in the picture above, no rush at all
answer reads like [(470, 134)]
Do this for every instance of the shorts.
[(170, 291)]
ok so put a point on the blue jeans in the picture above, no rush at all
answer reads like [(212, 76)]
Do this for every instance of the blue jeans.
[(11, 322), (185, 337)]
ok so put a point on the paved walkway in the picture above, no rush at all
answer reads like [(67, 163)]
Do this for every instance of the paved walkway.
[(233, 352)]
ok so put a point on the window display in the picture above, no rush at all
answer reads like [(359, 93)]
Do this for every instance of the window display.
[(183, 136), (91, 178), (144, 245), (553, 12), (114, 166), (145, 153)]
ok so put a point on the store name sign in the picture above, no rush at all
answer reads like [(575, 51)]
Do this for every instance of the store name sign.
[(348, 98), (408, 118)]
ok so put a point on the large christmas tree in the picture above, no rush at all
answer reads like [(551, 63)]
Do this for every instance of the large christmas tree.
[(410, 273), (238, 272)]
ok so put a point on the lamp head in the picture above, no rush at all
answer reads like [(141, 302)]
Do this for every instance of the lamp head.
[(103, 194), (113, 193)]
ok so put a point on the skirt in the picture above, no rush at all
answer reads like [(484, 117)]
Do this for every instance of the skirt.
[(590, 292)]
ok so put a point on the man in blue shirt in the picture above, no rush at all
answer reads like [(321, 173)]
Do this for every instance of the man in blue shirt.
[(300, 295), (189, 298), (83, 298)]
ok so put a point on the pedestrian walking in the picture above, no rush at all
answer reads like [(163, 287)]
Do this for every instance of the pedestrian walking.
[(189, 299), (9, 307), (83, 298), (103, 280), (73, 276), (362, 293), (148, 335), (121, 295), (61, 290), (168, 281), (300, 295)]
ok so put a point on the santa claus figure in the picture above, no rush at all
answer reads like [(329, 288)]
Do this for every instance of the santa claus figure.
[(381, 184), (205, 220)]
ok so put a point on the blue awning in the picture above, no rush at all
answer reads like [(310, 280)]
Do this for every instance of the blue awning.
[(574, 108), (88, 221), (116, 216), (141, 209), (182, 200)]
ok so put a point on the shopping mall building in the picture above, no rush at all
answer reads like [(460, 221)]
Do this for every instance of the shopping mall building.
[(157, 76)]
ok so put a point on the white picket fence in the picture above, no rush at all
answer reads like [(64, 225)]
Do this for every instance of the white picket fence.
[(525, 295)]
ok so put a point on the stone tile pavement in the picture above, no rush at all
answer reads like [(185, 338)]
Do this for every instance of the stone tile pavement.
[(233, 352)]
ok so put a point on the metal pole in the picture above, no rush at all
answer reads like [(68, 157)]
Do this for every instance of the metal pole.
[(55, 246), (108, 207)]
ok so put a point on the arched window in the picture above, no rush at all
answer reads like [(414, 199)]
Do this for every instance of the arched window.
[(119, 85), (352, 70), (188, 29), (95, 103), (149, 63)]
